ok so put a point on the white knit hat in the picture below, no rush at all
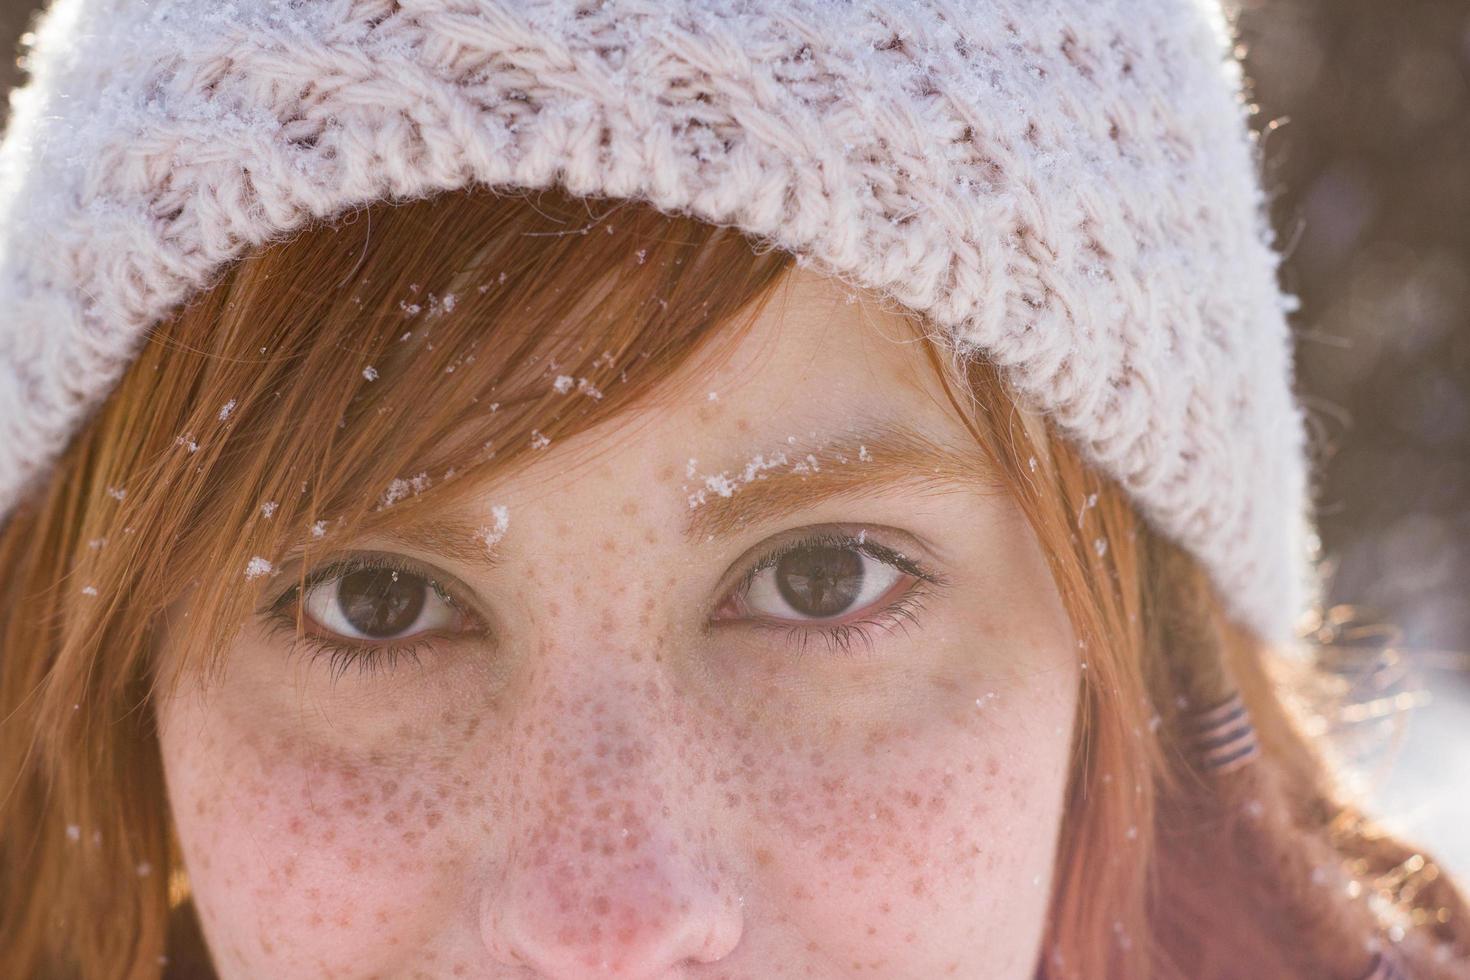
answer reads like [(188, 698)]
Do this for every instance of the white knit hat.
[(1070, 186)]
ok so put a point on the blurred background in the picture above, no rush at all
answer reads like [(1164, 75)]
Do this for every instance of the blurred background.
[(1364, 114)]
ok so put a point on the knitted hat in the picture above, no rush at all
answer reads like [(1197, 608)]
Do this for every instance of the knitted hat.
[(1068, 187)]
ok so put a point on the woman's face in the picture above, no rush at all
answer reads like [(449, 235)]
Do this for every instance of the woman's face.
[(769, 681)]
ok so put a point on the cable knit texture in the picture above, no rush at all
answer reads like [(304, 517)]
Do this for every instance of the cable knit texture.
[(1068, 186)]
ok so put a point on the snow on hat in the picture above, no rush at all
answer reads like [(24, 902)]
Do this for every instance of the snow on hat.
[(1069, 187)]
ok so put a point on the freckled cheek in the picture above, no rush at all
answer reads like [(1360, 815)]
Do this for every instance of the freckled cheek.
[(291, 861), (904, 835)]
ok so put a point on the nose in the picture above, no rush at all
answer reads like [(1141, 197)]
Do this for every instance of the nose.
[(609, 869), (622, 904)]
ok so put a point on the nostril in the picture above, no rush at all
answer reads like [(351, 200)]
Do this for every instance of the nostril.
[(723, 935), (639, 920)]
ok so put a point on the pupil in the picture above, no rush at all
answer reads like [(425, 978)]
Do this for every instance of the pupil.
[(377, 605), (820, 581)]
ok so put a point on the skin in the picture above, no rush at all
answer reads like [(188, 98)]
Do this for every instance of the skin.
[(600, 786)]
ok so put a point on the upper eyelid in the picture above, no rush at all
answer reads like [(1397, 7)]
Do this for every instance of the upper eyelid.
[(849, 531), (340, 563)]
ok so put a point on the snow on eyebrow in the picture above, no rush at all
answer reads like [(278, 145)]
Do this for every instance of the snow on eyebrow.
[(725, 483), (491, 535), (771, 484)]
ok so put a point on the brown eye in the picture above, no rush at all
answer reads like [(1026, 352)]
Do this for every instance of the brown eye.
[(820, 581), (378, 604)]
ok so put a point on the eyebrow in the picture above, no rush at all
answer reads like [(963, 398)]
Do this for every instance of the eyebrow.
[(449, 537), (766, 487), (884, 457)]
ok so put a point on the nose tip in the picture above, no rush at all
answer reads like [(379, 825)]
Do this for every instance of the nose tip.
[(639, 923)]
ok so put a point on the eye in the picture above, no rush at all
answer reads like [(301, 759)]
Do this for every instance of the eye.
[(370, 603), (369, 611), (833, 587), (818, 582), (357, 611)]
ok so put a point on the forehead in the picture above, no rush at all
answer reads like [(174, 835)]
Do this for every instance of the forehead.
[(823, 369), (836, 339), (829, 394)]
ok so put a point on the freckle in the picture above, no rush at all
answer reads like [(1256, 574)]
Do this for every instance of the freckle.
[(411, 836), (433, 818), (859, 871), (918, 886), (650, 536), (609, 545), (316, 918), (388, 788), (294, 825), (392, 817), (667, 473), (732, 800), (354, 861), (562, 530), (743, 425), (992, 768), (630, 507)]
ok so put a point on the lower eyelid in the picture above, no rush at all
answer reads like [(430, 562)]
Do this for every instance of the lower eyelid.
[(894, 616)]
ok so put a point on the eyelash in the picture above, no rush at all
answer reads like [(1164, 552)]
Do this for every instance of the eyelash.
[(341, 656), (905, 608)]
